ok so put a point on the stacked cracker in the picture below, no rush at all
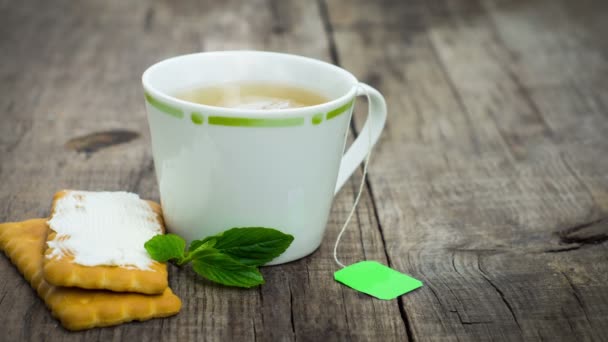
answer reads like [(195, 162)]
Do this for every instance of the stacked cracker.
[(83, 297)]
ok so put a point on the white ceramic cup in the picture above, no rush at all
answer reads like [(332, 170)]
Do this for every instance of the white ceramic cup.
[(219, 168)]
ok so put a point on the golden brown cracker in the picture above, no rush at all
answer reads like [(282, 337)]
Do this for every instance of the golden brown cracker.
[(62, 271), (77, 309)]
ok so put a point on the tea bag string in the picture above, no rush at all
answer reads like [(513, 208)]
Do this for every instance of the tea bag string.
[(365, 163)]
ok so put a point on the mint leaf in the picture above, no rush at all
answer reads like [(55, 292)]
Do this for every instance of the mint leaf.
[(222, 269), (253, 246), (200, 246), (166, 247), (198, 243), (230, 258)]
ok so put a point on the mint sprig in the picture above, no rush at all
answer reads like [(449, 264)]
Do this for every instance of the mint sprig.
[(229, 258), (169, 247)]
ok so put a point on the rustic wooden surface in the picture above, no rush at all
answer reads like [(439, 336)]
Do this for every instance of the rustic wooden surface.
[(490, 183)]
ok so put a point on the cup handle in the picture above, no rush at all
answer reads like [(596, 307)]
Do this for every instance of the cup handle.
[(360, 147)]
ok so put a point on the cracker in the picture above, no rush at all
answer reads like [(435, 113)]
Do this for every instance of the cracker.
[(62, 271), (77, 309)]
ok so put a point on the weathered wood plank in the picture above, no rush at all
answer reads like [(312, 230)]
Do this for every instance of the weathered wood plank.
[(490, 182), (472, 181), (73, 69)]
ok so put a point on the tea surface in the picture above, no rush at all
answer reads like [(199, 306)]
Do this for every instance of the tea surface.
[(253, 95)]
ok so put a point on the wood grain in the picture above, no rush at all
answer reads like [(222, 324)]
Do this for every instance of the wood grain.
[(474, 185), (90, 83), (489, 183)]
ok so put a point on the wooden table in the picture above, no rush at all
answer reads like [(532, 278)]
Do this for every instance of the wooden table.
[(490, 182)]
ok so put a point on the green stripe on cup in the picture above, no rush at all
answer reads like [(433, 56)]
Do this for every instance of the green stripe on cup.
[(317, 118), (165, 108), (197, 118), (332, 114), (255, 122)]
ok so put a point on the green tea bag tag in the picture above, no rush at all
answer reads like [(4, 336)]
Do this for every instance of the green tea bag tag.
[(377, 280), (371, 277)]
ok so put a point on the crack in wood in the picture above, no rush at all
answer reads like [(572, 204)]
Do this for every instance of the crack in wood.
[(576, 295), (471, 323), (255, 332), (454, 294), (430, 287), (329, 31), (499, 291), (261, 296), (308, 275), (345, 313), (291, 315), (561, 250), (406, 321), (455, 310)]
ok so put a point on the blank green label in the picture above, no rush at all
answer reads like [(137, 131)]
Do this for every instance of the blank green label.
[(375, 279)]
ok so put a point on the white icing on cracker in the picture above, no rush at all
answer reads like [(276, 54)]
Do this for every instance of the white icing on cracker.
[(103, 228)]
